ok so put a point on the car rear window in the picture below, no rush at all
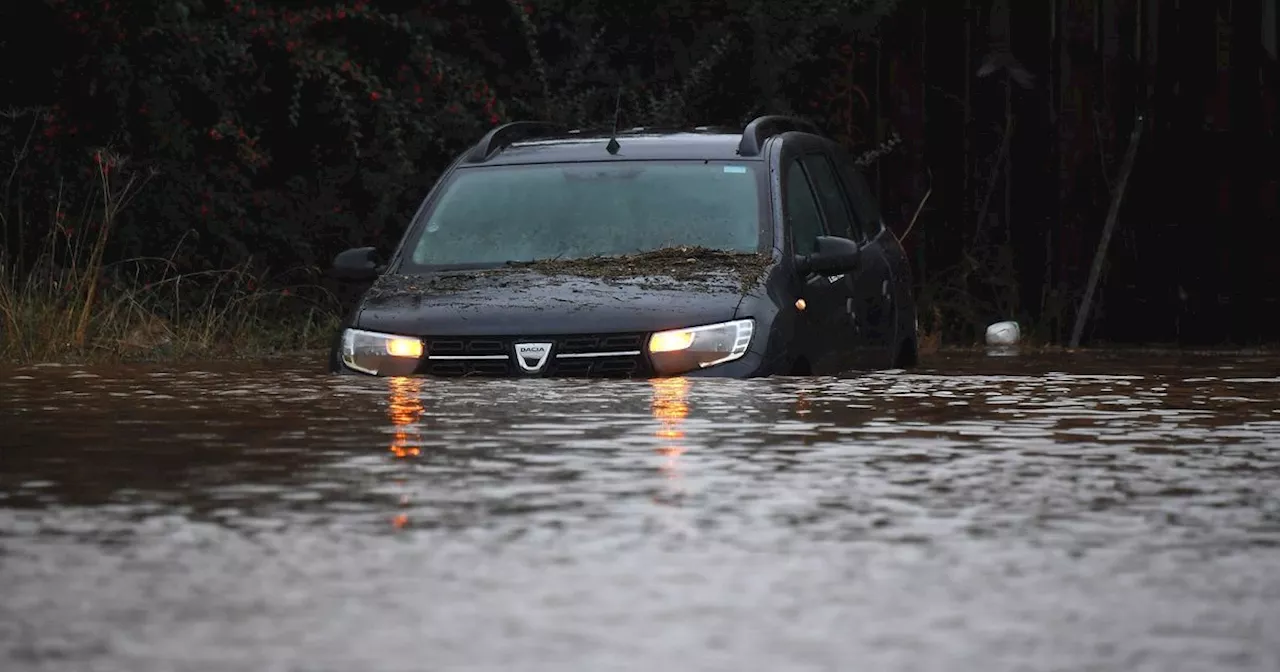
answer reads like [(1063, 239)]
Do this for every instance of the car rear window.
[(567, 211)]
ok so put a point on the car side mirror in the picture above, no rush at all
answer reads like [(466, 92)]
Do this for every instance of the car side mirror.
[(358, 263), (831, 255)]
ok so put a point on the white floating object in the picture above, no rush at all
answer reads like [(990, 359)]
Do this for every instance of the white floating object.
[(1003, 333)]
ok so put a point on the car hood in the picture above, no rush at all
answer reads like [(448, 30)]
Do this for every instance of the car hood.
[(525, 302)]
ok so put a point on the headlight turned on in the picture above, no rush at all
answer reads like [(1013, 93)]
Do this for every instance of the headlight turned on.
[(680, 350), (380, 354)]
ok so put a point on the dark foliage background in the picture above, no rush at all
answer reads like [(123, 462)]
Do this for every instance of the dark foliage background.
[(275, 134)]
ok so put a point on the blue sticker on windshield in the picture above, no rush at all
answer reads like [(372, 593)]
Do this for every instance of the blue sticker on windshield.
[(735, 169)]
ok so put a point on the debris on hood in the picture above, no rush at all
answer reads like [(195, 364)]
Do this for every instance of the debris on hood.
[(700, 265), (677, 263)]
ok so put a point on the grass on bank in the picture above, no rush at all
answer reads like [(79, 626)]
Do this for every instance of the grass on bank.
[(73, 315), (70, 304)]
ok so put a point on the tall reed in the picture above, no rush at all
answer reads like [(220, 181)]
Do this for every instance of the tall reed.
[(72, 303)]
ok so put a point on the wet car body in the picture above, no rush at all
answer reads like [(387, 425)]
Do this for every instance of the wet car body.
[(825, 287)]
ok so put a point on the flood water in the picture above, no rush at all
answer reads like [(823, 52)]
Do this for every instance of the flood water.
[(1113, 511)]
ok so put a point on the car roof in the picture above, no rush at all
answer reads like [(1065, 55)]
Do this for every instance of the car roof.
[(704, 143), (525, 142)]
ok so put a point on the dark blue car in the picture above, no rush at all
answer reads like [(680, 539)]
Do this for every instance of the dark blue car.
[(543, 251)]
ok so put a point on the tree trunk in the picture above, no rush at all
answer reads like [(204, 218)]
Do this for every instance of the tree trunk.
[(1100, 255), (1245, 98), (1076, 149)]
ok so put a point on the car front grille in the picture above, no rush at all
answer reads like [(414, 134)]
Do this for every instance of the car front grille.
[(577, 355)]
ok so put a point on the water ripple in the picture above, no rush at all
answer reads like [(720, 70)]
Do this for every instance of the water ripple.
[(1006, 513)]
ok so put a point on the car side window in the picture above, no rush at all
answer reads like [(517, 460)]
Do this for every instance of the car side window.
[(804, 220), (865, 208), (831, 196)]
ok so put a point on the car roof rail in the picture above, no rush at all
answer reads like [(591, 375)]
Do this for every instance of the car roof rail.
[(762, 128), (509, 133)]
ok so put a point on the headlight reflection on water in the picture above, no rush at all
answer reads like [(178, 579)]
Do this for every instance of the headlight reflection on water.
[(670, 407), (405, 408)]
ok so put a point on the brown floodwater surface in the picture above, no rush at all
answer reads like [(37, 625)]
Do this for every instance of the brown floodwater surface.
[(1104, 511)]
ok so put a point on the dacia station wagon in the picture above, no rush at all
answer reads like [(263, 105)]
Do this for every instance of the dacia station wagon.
[(704, 251)]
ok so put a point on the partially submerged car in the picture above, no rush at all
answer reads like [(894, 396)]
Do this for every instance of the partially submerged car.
[(543, 251)]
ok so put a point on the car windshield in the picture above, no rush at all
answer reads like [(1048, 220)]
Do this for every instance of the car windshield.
[(536, 212)]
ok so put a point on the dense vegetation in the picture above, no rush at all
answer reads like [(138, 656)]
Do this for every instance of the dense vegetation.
[(192, 152), (193, 165)]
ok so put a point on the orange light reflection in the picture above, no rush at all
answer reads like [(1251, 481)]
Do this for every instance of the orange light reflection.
[(670, 407), (802, 402), (405, 408)]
